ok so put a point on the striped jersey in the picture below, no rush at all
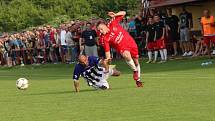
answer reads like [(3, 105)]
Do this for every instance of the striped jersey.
[(92, 73)]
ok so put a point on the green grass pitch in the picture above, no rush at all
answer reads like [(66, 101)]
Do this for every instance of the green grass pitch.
[(180, 90)]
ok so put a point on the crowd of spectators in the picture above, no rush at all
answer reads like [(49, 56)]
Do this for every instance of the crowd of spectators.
[(46, 44), (171, 35)]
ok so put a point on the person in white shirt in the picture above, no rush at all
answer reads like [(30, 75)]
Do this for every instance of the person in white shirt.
[(63, 44)]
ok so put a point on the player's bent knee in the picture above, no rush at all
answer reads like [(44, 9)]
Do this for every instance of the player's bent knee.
[(127, 55)]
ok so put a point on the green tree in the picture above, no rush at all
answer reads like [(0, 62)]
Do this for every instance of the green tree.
[(102, 7), (19, 15), (16, 15)]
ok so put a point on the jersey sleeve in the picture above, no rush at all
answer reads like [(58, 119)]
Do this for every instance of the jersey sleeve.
[(94, 59), (119, 18), (116, 20), (76, 73)]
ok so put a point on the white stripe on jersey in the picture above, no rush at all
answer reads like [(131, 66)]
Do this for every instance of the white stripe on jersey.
[(93, 74)]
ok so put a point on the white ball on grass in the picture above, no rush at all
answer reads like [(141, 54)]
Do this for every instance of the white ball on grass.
[(22, 83)]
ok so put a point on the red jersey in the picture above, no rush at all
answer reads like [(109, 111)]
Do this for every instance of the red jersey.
[(118, 38)]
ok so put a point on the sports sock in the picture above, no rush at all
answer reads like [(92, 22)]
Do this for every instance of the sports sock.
[(139, 71), (156, 55), (165, 54), (162, 55), (150, 55)]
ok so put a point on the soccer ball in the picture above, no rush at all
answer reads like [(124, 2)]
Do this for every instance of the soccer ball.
[(22, 83)]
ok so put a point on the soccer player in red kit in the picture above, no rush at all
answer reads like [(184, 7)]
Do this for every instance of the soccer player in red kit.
[(115, 36)]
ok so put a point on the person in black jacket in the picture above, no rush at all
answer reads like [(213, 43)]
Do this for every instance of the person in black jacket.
[(89, 39)]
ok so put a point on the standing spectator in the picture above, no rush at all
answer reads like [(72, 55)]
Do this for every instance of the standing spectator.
[(132, 27), (63, 43), (14, 46), (47, 33), (89, 38), (68, 38), (32, 46), (160, 38), (1, 51), (76, 37), (20, 52), (172, 30), (138, 25), (40, 45), (53, 46), (71, 46), (208, 30), (8, 51), (57, 46), (185, 26), (150, 40)]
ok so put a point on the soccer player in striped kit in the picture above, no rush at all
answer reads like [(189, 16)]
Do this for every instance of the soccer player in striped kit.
[(92, 69)]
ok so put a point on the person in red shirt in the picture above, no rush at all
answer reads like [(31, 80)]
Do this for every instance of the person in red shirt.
[(115, 36)]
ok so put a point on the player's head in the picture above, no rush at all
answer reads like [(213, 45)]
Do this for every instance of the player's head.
[(83, 60), (102, 28), (156, 18), (169, 12), (206, 13), (150, 20), (88, 25), (184, 9)]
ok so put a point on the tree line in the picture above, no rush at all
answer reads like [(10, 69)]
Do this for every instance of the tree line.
[(16, 15)]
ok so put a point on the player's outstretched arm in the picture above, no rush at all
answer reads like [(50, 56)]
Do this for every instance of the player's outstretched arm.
[(77, 85), (108, 55), (105, 64), (120, 13)]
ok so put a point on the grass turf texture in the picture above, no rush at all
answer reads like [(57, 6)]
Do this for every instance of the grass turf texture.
[(180, 90)]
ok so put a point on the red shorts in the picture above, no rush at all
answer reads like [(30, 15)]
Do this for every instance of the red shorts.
[(160, 44), (132, 48), (151, 45), (209, 39)]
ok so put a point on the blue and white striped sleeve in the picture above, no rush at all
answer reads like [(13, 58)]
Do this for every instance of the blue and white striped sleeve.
[(76, 73)]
